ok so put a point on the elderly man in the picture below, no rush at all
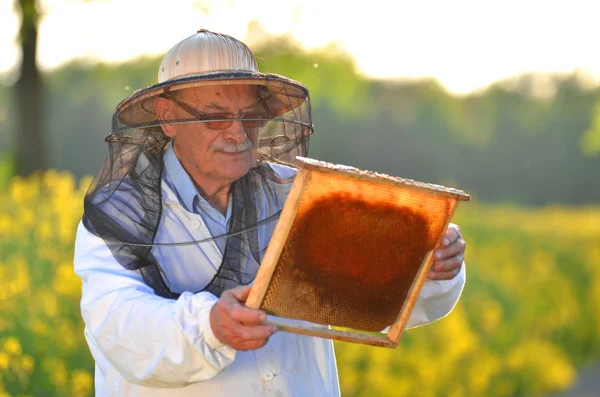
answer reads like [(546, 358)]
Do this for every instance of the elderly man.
[(177, 221)]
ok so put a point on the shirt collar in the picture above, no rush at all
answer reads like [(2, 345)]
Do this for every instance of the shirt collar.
[(182, 184)]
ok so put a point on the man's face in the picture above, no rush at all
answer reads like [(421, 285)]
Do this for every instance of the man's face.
[(223, 155)]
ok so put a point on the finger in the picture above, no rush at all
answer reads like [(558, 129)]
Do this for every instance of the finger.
[(241, 292), (433, 275), (458, 247), (236, 296), (247, 316), (242, 333), (452, 234), (229, 308), (447, 265)]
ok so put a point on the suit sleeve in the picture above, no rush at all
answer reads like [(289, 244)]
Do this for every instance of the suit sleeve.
[(150, 340), (437, 299)]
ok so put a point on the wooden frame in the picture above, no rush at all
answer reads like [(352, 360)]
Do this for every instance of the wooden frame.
[(281, 233)]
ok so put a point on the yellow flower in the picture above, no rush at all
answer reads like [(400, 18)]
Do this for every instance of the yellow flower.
[(12, 346), (27, 363), (4, 360), (50, 303), (5, 224), (66, 281), (57, 371), (81, 383)]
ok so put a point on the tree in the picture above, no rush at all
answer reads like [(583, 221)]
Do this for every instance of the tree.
[(28, 94)]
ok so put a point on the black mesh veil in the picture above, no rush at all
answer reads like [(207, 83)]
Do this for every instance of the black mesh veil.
[(124, 203)]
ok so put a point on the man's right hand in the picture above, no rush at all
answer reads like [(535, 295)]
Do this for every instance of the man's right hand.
[(236, 325)]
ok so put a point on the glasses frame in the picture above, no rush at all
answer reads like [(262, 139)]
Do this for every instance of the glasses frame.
[(217, 123)]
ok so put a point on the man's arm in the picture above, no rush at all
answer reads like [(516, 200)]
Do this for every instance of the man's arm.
[(445, 282), (150, 340), (437, 299)]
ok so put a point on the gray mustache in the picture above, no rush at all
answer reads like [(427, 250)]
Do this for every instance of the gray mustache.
[(231, 147)]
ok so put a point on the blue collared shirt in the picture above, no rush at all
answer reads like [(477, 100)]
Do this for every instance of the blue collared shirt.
[(177, 178)]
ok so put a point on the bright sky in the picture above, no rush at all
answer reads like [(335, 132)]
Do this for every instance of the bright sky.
[(466, 44)]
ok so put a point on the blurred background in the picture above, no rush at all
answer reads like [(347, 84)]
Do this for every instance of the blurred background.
[(500, 99)]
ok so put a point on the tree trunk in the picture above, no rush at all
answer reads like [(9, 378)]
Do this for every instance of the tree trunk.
[(29, 97)]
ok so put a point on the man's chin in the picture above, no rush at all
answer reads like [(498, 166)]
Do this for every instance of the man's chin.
[(237, 164)]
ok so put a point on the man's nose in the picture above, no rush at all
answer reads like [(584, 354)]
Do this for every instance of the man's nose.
[(236, 132)]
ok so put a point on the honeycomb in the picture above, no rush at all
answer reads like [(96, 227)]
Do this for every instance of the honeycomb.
[(354, 250)]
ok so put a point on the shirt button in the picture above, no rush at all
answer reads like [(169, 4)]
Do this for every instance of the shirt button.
[(268, 376), (196, 223)]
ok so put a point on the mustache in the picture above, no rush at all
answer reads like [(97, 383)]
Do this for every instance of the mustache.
[(231, 147)]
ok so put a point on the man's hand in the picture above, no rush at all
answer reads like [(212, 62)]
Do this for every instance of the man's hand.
[(449, 256), (237, 326)]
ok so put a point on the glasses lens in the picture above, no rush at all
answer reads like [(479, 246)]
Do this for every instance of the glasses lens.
[(219, 124)]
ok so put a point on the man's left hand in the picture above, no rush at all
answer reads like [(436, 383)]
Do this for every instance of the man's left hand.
[(448, 258)]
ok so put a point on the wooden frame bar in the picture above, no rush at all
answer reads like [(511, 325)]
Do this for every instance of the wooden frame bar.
[(311, 329), (280, 234)]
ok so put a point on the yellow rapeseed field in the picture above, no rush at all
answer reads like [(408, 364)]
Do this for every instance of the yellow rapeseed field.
[(528, 318)]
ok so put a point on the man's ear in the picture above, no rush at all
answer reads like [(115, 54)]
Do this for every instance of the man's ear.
[(165, 111)]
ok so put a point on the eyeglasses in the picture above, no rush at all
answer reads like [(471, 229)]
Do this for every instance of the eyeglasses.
[(221, 121)]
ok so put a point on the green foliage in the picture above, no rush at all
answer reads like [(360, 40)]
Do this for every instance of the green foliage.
[(42, 349), (7, 169), (7, 158), (329, 74), (508, 143), (590, 141), (501, 145), (103, 84)]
